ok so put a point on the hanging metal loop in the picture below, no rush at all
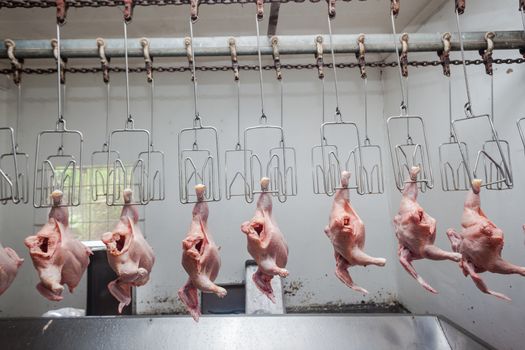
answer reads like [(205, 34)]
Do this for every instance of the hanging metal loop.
[(16, 64), (394, 7), (361, 55), (62, 6), (486, 54), (235, 62), (460, 6), (319, 56), (260, 9), (104, 61), (54, 45), (444, 54), (404, 54), (194, 10), (331, 8), (148, 61), (129, 5), (276, 57)]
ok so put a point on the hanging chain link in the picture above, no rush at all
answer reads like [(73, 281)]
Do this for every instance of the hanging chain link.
[(114, 3), (225, 68)]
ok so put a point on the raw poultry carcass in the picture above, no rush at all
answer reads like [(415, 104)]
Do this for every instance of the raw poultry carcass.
[(416, 232), (129, 255), (480, 243), (9, 264), (346, 231), (58, 257), (266, 243), (200, 258)]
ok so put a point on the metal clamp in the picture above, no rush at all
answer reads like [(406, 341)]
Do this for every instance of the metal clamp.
[(319, 56), (444, 54), (62, 6), (104, 61), (331, 8), (147, 59), (16, 64), (260, 9), (361, 55), (404, 54), (460, 6), (394, 7), (194, 10), (276, 57), (187, 43), (235, 62), (129, 5), (54, 45), (486, 54)]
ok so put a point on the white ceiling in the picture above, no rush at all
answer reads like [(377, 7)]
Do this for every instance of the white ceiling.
[(371, 16)]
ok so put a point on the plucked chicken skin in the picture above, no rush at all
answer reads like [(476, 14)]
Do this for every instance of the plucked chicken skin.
[(129, 254), (58, 257), (346, 231), (480, 243), (416, 232), (266, 243), (10, 262), (200, 258)]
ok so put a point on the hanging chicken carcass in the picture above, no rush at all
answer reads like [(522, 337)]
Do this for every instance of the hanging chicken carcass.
[(416, 232), (480, 243), (346, 231), (57, 255), (129, 254), (10, 262), (266, 243), (200, 258)]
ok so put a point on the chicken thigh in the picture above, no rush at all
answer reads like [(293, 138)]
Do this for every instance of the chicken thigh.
[(416, 233), (480, 243), (9, 264), (266, 243), (58, 257), (200, 258), (129, 254), (346, 231)]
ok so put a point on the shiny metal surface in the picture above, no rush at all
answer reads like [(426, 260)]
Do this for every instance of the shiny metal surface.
[(232, 332), (246, 45)]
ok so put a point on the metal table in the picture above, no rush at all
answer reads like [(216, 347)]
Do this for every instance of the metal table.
[(328, 331)]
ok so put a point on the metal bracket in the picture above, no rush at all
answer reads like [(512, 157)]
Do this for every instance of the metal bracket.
[(276, 57), (62, 6), (104, 61), (319, 56), (16, 64), (404, 54), (147, 59), (129, 5), (260, 9), (486, 54), (235, 62), (444, 54), (194, 10), (394, 7), (331, 8), (361, 55), (460, 6), (54, 45), (187, 43)]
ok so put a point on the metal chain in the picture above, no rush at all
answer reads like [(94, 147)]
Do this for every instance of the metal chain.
[(114, 3), (225, 68)]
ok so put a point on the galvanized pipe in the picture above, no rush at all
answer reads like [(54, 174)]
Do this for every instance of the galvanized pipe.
[(247, 45)]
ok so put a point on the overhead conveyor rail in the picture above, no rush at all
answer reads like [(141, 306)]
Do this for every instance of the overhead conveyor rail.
[(247, 45)]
